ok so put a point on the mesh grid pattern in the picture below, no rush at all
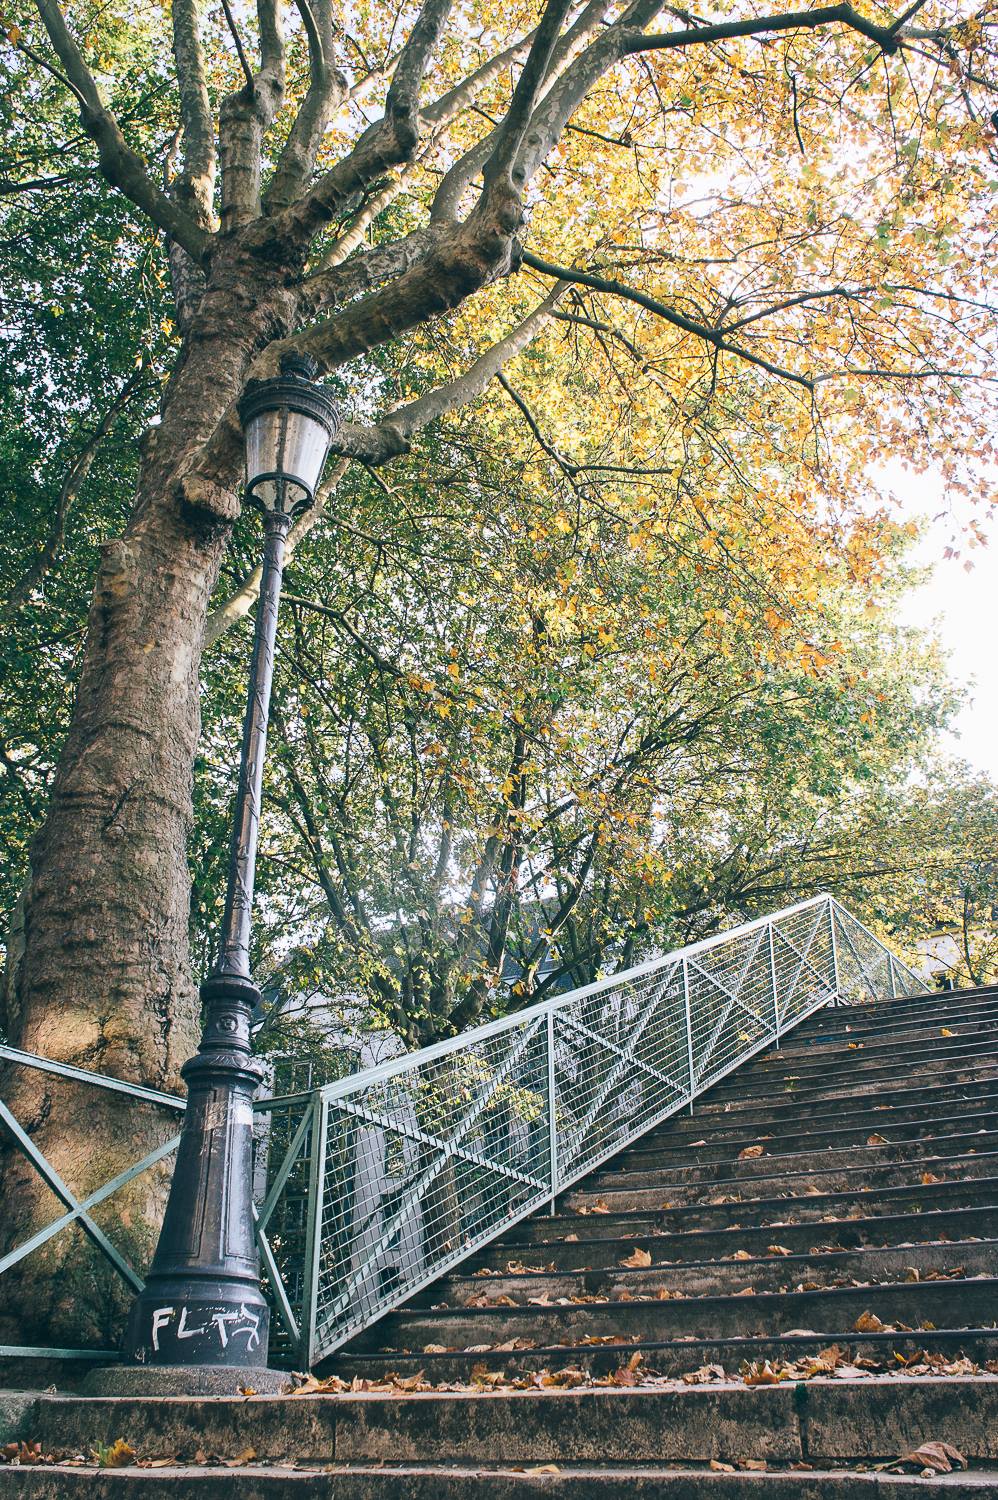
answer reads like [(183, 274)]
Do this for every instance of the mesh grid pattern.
[(377, 1184)]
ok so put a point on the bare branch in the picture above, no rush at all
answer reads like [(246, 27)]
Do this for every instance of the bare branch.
[(703, 331), (245, 117), (120, 165)]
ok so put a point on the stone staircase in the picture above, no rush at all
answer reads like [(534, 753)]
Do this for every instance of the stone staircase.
[(782, 1294)]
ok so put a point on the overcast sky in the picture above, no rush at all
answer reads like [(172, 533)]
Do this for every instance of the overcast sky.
[(963, 605)]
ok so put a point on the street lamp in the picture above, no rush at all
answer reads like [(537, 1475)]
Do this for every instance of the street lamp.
[(202, 1304)]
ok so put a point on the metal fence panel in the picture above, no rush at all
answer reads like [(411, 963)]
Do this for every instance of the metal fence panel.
[(371, 1187)]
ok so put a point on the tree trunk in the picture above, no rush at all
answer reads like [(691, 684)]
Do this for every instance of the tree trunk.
[(104, 978)]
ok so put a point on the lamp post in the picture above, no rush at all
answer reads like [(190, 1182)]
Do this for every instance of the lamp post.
[(202, 1304)]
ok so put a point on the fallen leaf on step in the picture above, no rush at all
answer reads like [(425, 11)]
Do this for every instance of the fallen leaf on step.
[(746, 1291), (435, 1349), (761, 1372), (571, 1239), (544, 1469), (116, 1455), (936, 1457), (698, 1143), (741, 1255), (245, 1457), (868, 1322), (855, 1046), (750, 1152), (877, 1140), (703, 1375), (752, 1463), (778, 1250), (945, 1031), (637, 1258), (930, 1177), (717, 1467)]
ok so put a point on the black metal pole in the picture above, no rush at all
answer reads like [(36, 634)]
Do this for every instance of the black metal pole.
[(202, 1303)]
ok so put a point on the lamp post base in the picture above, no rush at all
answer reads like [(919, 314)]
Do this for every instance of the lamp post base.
[(185, 1380)]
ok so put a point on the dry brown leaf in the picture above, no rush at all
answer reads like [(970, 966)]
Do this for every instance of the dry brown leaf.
[(930, 1177), (245, 1457), (755, 1464), (435, 1349), (868, 1322), (703, 1375), (936, 1457), (742, 1255), (571, 1239), (778, 1250), (637, 1259), (544, 1469), (746, 1291), (761, 1372), (750, 1152), (116, 1455), (945, 1031), (716, 1467), (877, 1140)]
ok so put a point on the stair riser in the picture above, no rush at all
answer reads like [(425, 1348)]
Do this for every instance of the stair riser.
[(910, 1197), (743, 1127), (756, 1179), (812, 1063), (767, 1273), (969, 1304), (913, 1124), (943, 1094), (845, 1082), (855, 1136), (980, 1223), (777, 1157), (829, 1028), (434, 1484), (672, 1360)]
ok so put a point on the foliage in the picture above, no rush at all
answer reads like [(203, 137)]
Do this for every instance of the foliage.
[(608, 655)]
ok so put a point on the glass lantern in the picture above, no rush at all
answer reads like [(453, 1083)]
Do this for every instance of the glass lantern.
[(289, 423)]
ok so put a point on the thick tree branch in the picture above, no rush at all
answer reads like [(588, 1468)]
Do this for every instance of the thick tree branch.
[(326, 90), (195, 186), (245, 117), (122, 167)]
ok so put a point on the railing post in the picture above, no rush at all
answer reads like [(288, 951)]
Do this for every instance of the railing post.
[(313, 1227), (552, 1112), (689, 1027), (894, 982), (835, 951), (772, 975)]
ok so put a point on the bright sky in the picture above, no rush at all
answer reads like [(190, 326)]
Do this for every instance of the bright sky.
[(963, 606)]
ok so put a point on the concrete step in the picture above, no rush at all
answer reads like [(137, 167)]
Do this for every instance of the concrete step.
[(395, 1481), (769, 1271), (786, 1106), (699, 1164), (672, 1358), (831, 1129), (831, 1311), (817, 1058), (660, 1423), (595, 1217), (938, 1226), (854, 1076), (872, 1109), (757, 1179)]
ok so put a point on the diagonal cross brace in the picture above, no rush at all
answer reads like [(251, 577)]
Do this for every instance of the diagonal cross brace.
[(416, 1192), (51, 1177), (805, 962)]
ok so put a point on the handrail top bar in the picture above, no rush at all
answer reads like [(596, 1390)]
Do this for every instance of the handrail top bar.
[(540, 1010), (100, 1080)]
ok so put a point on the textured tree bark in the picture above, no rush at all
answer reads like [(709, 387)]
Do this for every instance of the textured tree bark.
[(104, 979)]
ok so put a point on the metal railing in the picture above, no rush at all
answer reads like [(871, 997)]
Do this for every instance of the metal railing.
[(371, 1187)]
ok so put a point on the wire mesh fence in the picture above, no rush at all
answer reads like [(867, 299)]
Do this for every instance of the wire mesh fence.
[(421, 1161), (370, 1187)]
